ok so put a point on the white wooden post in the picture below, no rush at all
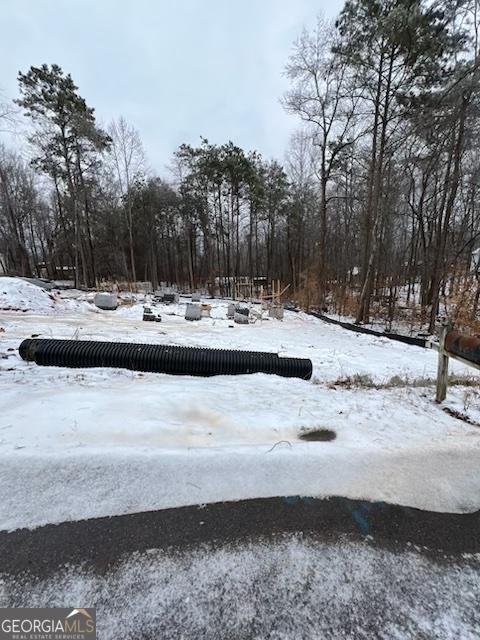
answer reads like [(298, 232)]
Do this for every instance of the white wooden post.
[(442, 373)]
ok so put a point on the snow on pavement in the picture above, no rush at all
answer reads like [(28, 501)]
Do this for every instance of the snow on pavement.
[(288, 589), (79, 443)]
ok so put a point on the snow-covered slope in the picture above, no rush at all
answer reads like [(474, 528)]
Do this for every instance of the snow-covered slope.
[(92, 442)]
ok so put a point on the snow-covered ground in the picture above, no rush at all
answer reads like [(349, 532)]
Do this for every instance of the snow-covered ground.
[(82, 443)]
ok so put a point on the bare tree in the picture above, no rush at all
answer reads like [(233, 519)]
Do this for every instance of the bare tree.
[(319, 97), (129, 159)]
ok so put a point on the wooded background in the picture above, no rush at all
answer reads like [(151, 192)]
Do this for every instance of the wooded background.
[(372, 213)]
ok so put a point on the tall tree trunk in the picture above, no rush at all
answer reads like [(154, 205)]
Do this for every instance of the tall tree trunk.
[(372, 239), (439, 271)]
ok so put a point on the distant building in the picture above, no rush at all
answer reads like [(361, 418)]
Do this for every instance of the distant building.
[(63, 273)]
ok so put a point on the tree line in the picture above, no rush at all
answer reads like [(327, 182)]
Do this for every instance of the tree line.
[(373, 209)]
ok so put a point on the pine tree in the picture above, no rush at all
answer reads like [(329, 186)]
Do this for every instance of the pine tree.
[(66, 139)]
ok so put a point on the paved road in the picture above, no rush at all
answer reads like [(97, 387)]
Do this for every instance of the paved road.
[(274, 568)]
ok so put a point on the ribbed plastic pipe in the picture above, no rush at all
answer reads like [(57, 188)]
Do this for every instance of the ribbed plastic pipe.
[(190, 361)]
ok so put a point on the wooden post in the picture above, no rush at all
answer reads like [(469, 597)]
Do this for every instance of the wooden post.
[(442, 373)]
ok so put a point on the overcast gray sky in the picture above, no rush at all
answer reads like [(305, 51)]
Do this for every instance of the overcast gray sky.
[(174, 69)]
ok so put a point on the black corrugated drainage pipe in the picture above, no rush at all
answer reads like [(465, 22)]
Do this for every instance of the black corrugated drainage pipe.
[(191, 361)]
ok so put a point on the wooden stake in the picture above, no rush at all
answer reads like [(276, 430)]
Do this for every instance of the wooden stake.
[(442, 373), (284, 289)]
